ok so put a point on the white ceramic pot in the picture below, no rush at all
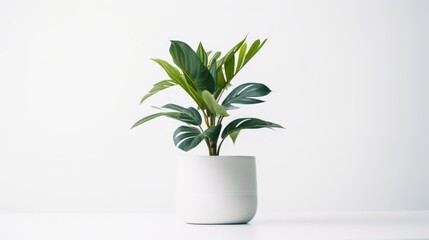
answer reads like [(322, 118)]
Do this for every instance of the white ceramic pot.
[(216, 189)]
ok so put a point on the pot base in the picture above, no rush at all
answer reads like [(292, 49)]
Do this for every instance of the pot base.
[(219, 209), (217, 190)]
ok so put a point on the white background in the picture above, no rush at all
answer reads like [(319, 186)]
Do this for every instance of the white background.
[(350, 83)]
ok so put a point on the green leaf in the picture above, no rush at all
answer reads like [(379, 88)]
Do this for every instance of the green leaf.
[(191, 65), (213, 71), (231, 53), (178, 78), (229, 68), (158, 87), (247, 123), (213, 106), (220, 83), (153, 116), (241, 55), (234, 136), (213, 132), (202, 54), (214, 58), (256, 46), (262, 44), (245, 94), (186, 137), (188, 115), (171, 71)]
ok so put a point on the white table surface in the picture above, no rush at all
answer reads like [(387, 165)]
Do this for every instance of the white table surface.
[(129, 226)]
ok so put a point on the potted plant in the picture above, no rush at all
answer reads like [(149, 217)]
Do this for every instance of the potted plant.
[(212, 189)]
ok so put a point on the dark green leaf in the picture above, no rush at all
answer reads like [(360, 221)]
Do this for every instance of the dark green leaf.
[(186, 137), (247, 123), (213, 132), (213, 71), (202, 54), (158, 87), (191, 65), (245, 94), (188, 115)]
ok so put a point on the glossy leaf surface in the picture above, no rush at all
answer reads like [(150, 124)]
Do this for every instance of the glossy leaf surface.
[(202, 54), (188, 115), (247, 123), (192, 66), (187, 137), (245, 94)]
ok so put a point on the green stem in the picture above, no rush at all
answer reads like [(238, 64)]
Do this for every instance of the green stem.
[(206, 119), (220, 145), (207, 141), (212, 149), (213, 143), (212, 120), (220, 95), (202, 130), (219, 121)]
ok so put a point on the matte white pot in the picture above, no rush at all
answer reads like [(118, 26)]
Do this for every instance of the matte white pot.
[(216, 189)]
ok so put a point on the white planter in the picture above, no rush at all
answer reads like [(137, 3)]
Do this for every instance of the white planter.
[(216, 189)]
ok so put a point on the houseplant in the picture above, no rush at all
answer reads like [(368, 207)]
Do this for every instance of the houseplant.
[(206, 196)]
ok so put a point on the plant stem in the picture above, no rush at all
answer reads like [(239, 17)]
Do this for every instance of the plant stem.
[(220, 145), (212, 120), (207, 141), (213, 149), (219, 121), (220, 95), (206, 119)]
